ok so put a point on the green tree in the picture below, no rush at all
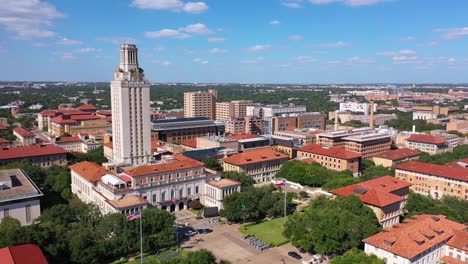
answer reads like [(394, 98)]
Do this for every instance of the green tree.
[(356, 256), (95, 155), (453, 208), (330, 226), (158, 227), (212, 163), (200, 256), (240, 176)]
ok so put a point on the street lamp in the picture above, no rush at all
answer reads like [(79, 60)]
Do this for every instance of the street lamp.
[(176, 230)]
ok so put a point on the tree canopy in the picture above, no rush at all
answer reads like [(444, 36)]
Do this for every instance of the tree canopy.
[(356, 256), (459, 152), (254, 204), (212, 163), (242, 177), (455, 209), (331, 226)]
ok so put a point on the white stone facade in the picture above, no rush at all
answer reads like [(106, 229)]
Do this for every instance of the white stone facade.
[(130, 95)]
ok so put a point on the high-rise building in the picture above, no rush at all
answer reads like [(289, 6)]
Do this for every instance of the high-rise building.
[(130, 94), (200, 104), (235, 109)]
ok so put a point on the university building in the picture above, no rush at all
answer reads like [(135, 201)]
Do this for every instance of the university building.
[(421, 239), (200, 104), (19, 196), (182, 129), (428, 143), (333, 158), (39, 155), (386, 196), (260, 164), (216, 190), (434, 180), (226, 111)]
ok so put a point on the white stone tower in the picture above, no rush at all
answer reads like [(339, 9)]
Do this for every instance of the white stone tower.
[(130, 95)]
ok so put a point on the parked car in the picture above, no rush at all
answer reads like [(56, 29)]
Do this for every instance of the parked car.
[(204, 230), (189, 233), (293, 254)]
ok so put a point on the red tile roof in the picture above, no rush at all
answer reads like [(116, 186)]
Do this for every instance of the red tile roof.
[(71, 112), (89, 170), (376, 192), (415, 235), (30, 151), (84, 117), (157, 143), (255, 156), (104, 112), (23, 132), (67, 139), (50, 113), (62, 120), (108, 145), (3, 140), (181, 163), (308, 160), (2, 127), (399, 154), (192, 143), (241, 136), (443, 171), (334, 152), (449, 260), (22, 254), (87, 107), (425, 138), (459, 240)]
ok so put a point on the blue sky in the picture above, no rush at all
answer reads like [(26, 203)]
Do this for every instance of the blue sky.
[(274, 41)]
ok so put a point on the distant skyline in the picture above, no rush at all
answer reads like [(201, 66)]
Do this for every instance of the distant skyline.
[(256, 41)]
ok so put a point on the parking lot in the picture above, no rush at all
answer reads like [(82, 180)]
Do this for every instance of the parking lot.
[(226, 242)]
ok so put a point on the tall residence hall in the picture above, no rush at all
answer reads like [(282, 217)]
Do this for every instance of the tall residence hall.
[(428, 143), (428, 239), (200, 104), (333, 158), (386, 196), (366, 141), (434, 180), (39, 155), (260, 164), (169, 185), (19, 196)]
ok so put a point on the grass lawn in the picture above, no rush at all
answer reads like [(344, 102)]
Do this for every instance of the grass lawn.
[(269, 231)]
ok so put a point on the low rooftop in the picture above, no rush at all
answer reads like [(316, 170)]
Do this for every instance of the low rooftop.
[(444, 171), (333, 152), (255, 156), (399, 154), (15, 184), (425, 138), (30, 151), (224, 183)]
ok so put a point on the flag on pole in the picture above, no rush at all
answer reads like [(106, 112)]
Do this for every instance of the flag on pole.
[(134, 216), (281, 183)]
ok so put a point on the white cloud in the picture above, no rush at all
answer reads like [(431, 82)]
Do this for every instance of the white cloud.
[(65, 55), (292, 3), (359, 60), (216, 40), (339, 44), (159, 48), (295, 38), (197, 29), (453, 33), (275, 22), (305, 59), (166, 33), (181, 33), (429, 44), (258, 48), (86, 50), (197, 60), (117, 40), (28, 19), (405, 59), (162, 63), (349, 2), (172, 5), (200, 61), (396, 53), (321, 52), (407, 38), (254, 61), (40, 45), (218, 51), (66, 41), (204, 62)]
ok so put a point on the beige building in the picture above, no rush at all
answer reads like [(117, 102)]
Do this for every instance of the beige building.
[(19, 196), (389, 158), (386, 196), (209, 142), (366, 141), (24, 137), (226, 111), (246, 125), (79, 123), (39, 155), (261, 164), (434, 180), (428, 143), (216, 190), (301, 137), (200, 104), (333, 158), (302, 120)]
